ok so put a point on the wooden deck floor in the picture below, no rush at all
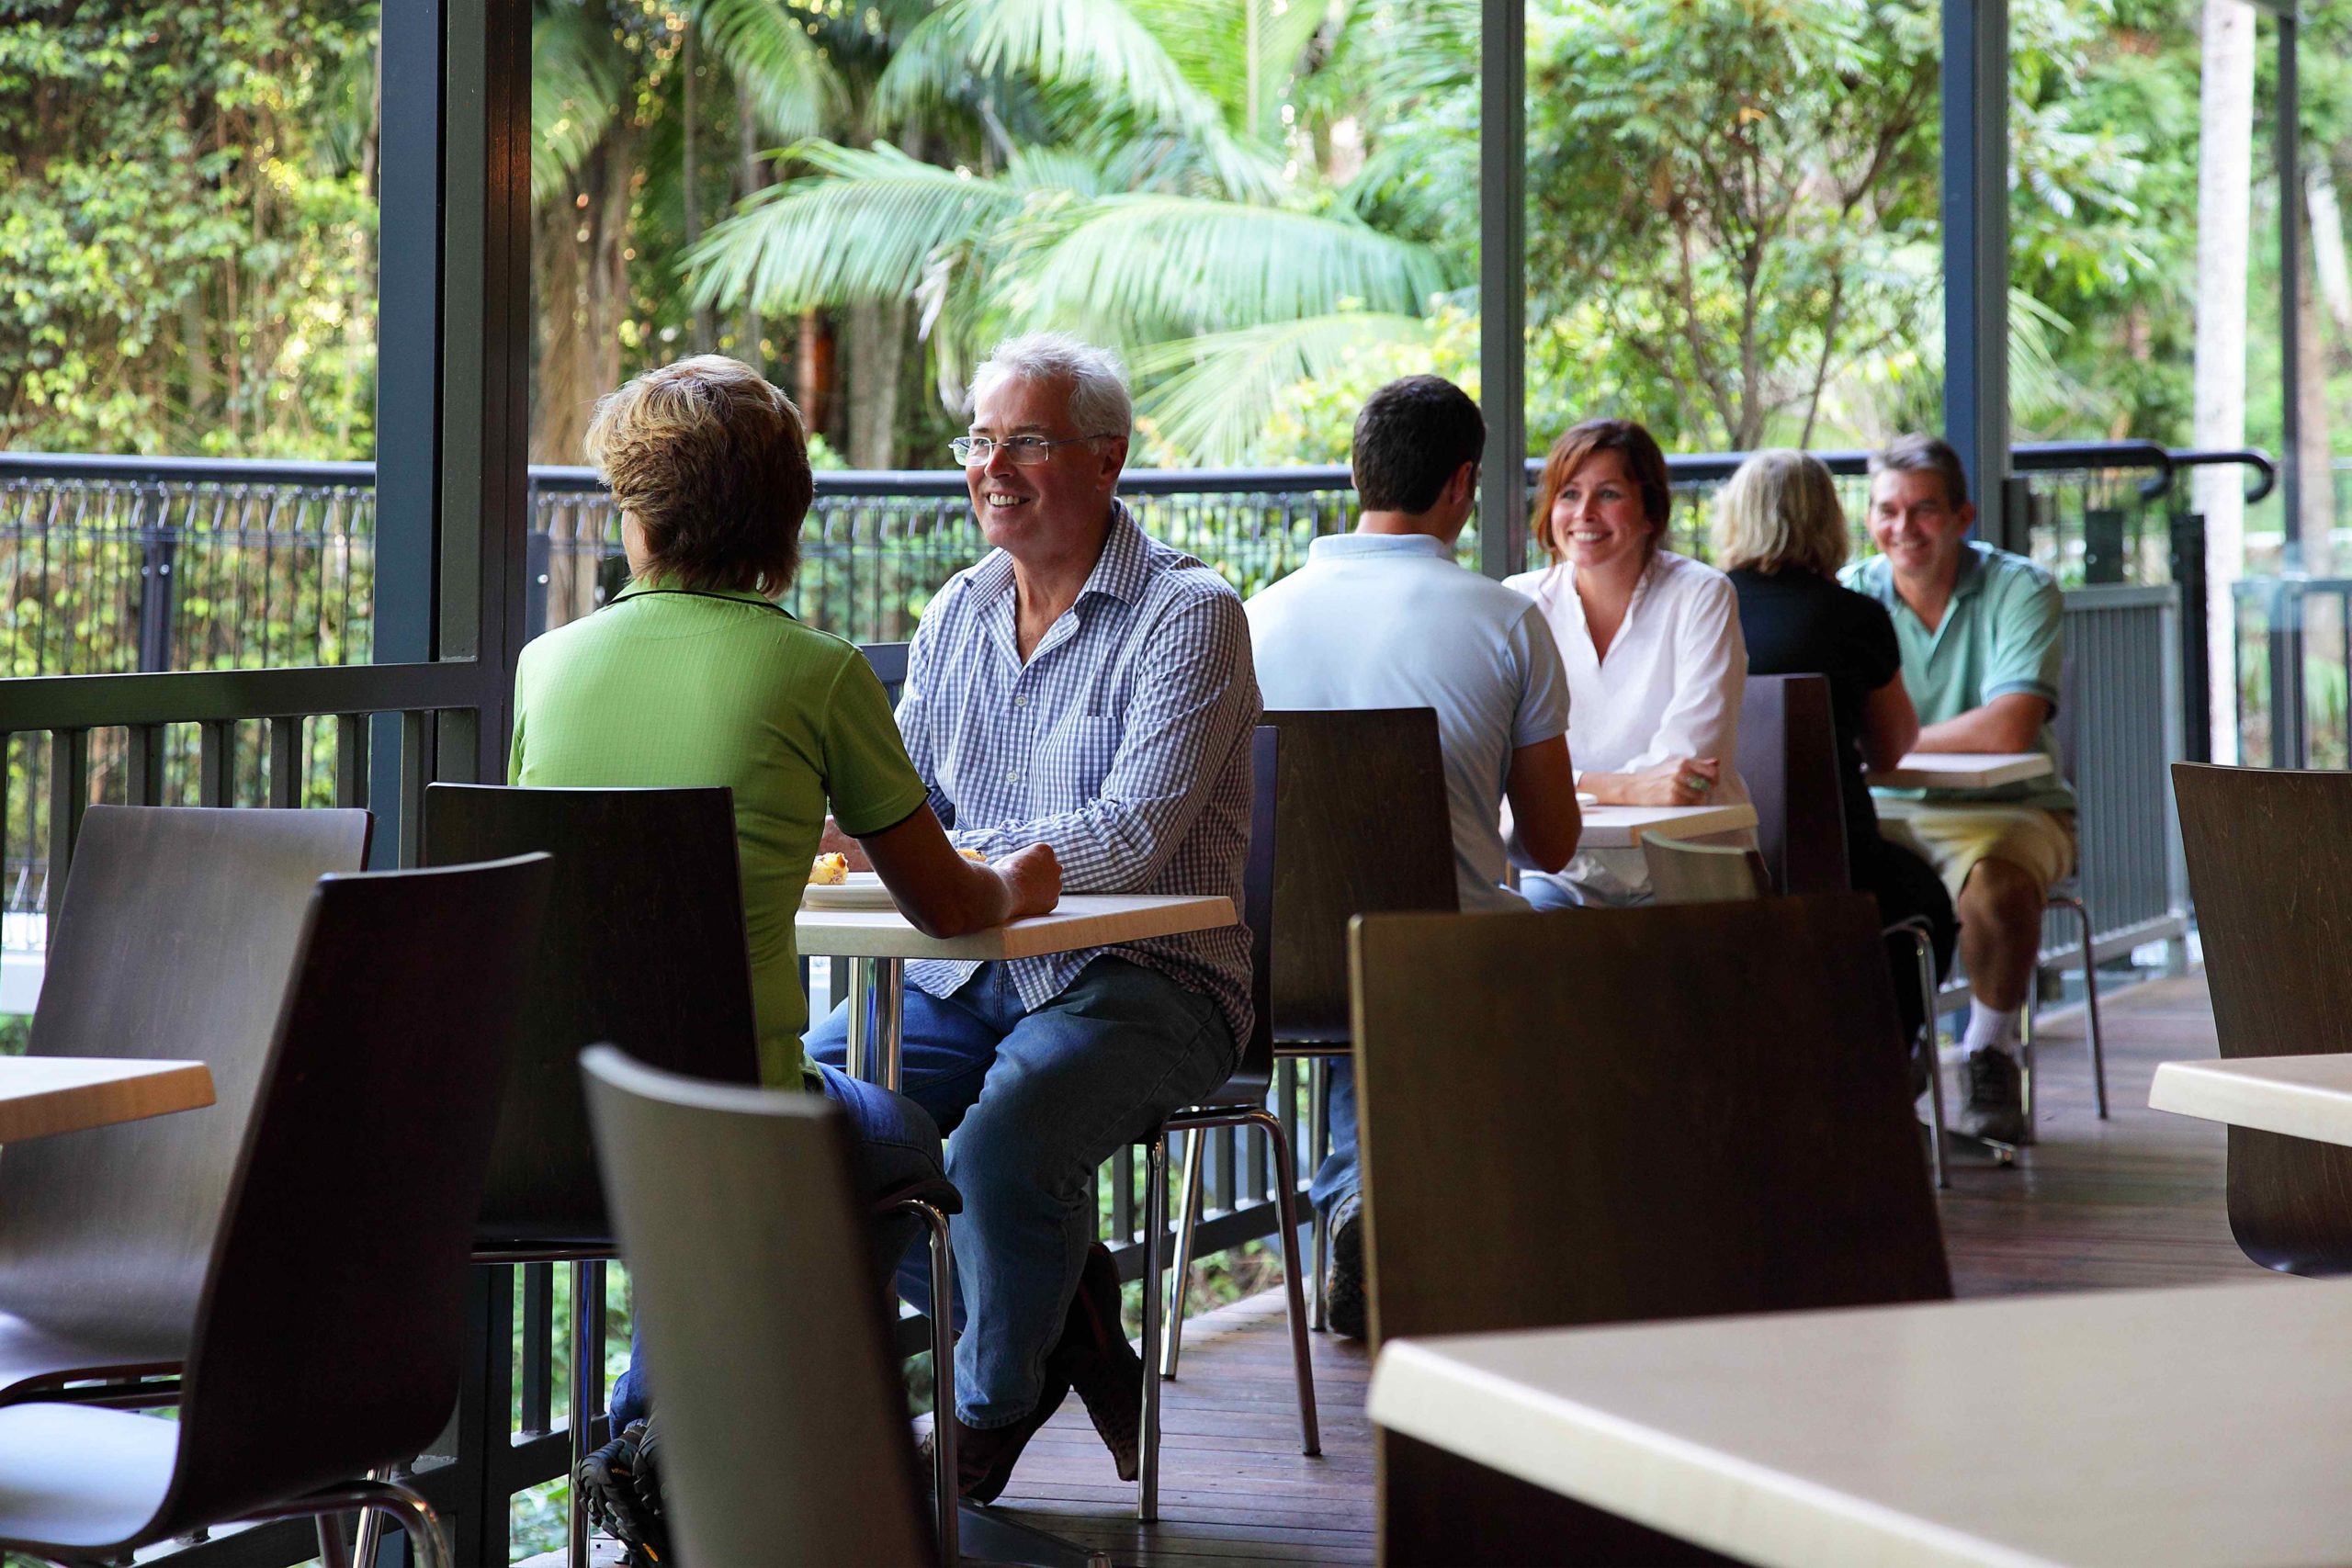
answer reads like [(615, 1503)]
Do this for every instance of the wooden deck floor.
[(2133, 1201)]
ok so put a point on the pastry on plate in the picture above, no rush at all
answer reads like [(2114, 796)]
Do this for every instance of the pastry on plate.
[(828, 870)]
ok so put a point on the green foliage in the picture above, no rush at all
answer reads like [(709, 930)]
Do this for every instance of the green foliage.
[(187, 228)]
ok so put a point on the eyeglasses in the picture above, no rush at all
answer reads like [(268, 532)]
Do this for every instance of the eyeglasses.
[(1027, 451)]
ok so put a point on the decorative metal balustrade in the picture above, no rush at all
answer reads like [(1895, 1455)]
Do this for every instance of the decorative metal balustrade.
[(109, 567)]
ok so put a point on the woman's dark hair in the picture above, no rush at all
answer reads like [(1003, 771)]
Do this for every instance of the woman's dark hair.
[(1412, 436), (1634, 446), (713, 463)]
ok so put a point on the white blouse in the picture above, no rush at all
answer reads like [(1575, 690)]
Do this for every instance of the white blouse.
[(1670, 687)]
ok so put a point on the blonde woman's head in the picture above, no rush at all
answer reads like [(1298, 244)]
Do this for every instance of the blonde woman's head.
[(1779, 510), (711, 463)]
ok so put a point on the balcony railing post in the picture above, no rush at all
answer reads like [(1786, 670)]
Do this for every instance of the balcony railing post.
[(2187, 548)]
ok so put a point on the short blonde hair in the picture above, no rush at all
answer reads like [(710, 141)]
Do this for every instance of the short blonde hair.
[(1779, 509), (713, 463)]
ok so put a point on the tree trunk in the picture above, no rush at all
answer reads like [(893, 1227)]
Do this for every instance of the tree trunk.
[(747, 148), (877, 336), (2225, 215), (700, 335), (2316, 460), (812, 370)]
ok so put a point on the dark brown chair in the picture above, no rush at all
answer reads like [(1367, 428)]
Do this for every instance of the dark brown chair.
[(327, 1338), (179, 932), (1609, 1115), (1788, 755), (644, 947), (2270, 872), (1241, 1102), (783, 1419), (1361, 824)]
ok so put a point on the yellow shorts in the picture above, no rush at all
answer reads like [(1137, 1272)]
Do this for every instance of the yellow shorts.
[(1952, 838)]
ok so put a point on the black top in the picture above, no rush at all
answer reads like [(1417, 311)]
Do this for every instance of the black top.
[(1799, 623)]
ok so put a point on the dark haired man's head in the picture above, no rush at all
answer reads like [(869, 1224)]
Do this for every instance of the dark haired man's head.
[(1411, 439)]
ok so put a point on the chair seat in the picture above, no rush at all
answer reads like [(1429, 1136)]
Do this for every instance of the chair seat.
[(506, 1247), (1243, 1090), (80, 1479), (33, 1357), (936, 1190)]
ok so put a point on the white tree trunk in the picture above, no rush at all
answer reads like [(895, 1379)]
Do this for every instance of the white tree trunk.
[(2224, 215)]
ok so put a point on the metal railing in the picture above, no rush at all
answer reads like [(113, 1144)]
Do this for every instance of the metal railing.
[(122, 564)]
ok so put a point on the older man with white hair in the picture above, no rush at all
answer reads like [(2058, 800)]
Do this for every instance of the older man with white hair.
[(1086, 687)]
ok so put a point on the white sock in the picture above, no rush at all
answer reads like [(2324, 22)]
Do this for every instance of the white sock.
[(1986, 1027)]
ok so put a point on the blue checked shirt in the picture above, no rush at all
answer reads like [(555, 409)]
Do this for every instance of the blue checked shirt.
[(1124, 743)]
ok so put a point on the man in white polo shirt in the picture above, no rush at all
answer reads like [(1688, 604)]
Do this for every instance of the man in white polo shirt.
[(1383, 618)]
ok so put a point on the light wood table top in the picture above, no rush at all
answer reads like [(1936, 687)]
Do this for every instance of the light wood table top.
[(2304, 1097), (1621, 827), (2186, 1427), (1083, 919), (1963, 770), (42, 1095)]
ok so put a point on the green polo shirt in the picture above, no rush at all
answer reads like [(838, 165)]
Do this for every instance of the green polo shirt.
[(667, 689), (2000, 633)]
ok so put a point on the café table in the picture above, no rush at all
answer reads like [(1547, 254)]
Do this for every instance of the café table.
[(2303, 1097), (1621, 827), (40, 1096), (2187, 1427), (879, 943), (1963, 770)]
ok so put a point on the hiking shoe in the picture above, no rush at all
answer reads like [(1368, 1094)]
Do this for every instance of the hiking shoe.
[(620, 1485), (1995, 1108), (1094, 1356), (1344, 1292)]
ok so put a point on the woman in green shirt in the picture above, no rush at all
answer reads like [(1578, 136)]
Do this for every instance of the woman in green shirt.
[(694, 676)]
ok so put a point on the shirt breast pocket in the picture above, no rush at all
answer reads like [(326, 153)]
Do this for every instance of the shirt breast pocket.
[(1072, 762)]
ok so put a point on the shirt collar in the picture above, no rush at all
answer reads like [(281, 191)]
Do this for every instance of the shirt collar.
[(1121, 570), (1338, 547)]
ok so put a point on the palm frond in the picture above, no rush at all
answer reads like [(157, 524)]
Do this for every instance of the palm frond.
[(864, 226), (780, 71), (575, 87), (1096, 44), (1192, 265), (1219, 389)]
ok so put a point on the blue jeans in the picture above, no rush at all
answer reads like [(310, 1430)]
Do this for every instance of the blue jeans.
[(1337, 1177), (896, 1145), (1034, 1102)]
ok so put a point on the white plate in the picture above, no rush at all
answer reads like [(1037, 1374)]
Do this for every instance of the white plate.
[(864, 890), (1584, 799)]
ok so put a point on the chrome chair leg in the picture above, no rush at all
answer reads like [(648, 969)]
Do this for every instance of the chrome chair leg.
[(947, 1494), (1294, 1288), (1319, 1136), (2025, 1056), (2090, 998), (372, 1528), (587, 1371), (1187, 1217), (406, 1508), (1155, 1242), (334, 1550), (1923, 954)]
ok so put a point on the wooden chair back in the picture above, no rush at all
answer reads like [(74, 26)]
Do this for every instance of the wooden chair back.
[(2269, 857), (1601, 1115), (179, 934), (1361, 817), (643, 946), (783, 1419), (1788, 755), (329, 1338), (1685, 872)]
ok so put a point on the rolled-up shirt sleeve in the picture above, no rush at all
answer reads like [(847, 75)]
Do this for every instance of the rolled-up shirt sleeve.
[(1195, 701), (1701, 716)]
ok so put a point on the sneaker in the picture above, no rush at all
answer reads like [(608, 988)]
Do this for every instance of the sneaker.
[(620, 1485), (1995, 1108), (1344, 1292), (1101, 1367)]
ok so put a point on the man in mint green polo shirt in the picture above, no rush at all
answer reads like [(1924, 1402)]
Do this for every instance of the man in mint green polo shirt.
[(1979, 630)]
